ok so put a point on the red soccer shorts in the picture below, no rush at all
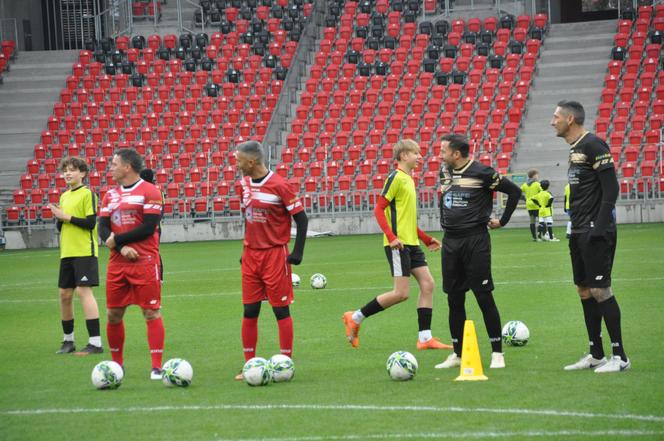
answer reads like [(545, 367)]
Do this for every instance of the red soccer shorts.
[(266, 275), (133, 284)]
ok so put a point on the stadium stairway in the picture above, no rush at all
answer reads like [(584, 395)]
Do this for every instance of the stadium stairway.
[(572, 65), (168, 24), (26, 101)]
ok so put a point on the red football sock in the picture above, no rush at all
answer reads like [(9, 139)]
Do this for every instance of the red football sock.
[(115, 332), (249, 337), (286, 335), (156, 341)]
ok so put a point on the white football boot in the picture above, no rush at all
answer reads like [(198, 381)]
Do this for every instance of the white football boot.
[(497, 360), (452, 360), (586, 362), (615, 364)]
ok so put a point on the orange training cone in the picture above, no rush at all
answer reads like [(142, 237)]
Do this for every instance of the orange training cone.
[(471, 364)]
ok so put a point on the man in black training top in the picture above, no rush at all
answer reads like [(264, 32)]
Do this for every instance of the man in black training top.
[(592, 244), (465, 212)]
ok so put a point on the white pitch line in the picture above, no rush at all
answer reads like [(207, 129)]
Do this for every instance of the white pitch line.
[(342, 407), (460, 435), (345, 290)]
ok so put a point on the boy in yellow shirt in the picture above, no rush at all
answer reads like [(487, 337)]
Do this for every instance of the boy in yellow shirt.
[(529, 189)]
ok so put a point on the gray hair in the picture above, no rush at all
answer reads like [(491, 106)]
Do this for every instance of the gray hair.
[(575, 109), (253, 149)]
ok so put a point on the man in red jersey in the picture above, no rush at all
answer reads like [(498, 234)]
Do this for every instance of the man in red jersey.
[(128, 221), (268, 204)]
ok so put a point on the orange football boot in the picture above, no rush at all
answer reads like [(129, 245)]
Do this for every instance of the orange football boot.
[(352, 329), (432, 343)]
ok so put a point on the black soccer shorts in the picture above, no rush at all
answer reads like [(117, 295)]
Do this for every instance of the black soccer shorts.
[(466, 263), (592, 259), (78, 271), (402, 262), (533, 214)]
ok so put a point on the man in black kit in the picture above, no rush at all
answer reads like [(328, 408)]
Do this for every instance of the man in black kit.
[(465, 212), (593, 193)]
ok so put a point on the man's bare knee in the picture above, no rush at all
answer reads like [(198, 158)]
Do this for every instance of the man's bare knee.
[(584, 292), (601, 294), (151, 314), (115, 315)]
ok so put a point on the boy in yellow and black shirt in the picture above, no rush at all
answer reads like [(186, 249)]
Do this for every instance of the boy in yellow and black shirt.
[(79, 269), (544, 200), (396, 214), (528, 190)]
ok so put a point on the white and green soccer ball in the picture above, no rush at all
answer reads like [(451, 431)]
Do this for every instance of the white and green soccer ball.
[(256, 372), (515, 333), (401, 366), (296, 280), (177, 372), (318, 281), (107, 375), (281, 368)]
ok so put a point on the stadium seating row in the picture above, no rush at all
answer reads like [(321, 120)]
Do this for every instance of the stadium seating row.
[(343, 108), (183, 101), (631, 113)]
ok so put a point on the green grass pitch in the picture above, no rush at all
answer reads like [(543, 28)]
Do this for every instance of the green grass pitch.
[(338, 392)]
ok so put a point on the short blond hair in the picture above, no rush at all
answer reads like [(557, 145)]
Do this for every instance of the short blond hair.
[(405, 145)]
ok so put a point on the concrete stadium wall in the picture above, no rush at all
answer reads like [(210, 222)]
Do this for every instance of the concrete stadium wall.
[(340, 224), (25, 10)]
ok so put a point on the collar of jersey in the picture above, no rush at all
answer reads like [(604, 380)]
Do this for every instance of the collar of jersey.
[(131, 187), (261, 183), (464, 168), (575, 143)]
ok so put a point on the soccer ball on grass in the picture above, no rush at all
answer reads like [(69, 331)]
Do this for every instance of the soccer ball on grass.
[(515, 333), (177, 372), (296, 280), (107, 375), (318, 281), (256, 372), (281, 368), (401, 366)]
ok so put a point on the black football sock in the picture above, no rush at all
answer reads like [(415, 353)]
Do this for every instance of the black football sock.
[(593, 317), (550, 229), (491, 319), (371, 308), (532, 231), (93, 327), (457, 319), (424, 318), (68, 327), (611, 313)]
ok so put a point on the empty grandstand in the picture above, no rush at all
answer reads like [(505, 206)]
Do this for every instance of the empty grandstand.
[(328, 87)]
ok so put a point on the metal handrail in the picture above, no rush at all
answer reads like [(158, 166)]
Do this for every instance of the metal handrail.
[(181, 26)]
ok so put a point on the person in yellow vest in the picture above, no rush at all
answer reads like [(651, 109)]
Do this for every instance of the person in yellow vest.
[(544, 200), (79, 269), (569, 220), (529, 189)]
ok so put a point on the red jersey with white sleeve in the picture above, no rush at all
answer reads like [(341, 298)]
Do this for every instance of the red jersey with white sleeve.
[(267, 207), (126, 206)]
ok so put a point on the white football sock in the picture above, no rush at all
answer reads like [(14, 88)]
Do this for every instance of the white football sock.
[(424, 336), (68, 337), (95, 341), (358, 317)]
